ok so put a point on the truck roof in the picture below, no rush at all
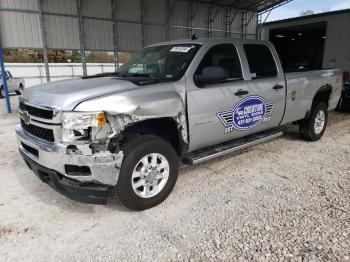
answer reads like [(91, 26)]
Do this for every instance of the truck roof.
[(204, 41)]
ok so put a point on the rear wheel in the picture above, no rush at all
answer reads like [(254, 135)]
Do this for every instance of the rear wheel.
[(148, 173), (313, 127)]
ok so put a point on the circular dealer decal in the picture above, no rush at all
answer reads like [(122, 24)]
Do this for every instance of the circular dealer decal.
[(248, 113)]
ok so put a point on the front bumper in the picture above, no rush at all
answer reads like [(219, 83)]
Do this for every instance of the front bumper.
[(90, 193), (52, 158)]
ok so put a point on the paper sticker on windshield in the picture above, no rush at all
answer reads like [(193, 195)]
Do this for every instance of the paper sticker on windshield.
[(180, 49), (248, 113)]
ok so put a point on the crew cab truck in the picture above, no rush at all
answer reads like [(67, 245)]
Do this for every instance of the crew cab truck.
[(182, 101)]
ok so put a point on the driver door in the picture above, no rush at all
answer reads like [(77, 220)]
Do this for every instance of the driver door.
[(207, 101)]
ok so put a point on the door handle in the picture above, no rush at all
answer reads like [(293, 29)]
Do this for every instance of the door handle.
[(241, 93), (278, 87)]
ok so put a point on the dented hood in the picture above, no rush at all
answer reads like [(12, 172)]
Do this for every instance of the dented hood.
[(67, 94)]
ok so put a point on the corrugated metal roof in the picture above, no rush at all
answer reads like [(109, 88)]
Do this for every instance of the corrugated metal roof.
[(19, 23), (249, 5)]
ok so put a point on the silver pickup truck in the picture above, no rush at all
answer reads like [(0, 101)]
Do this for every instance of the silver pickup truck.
[(182, 101)]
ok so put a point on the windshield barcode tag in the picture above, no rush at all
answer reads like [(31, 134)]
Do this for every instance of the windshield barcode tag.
[(180, 49)]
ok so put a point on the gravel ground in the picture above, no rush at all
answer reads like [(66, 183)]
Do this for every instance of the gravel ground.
[(285, 200)]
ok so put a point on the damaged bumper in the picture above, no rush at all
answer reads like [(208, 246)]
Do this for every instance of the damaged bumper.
[(80, 176)]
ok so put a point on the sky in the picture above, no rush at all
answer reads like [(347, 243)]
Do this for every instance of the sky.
[(294, 8)]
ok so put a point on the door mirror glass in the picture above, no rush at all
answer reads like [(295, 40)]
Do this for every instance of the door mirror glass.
[(211, 74), (221, 63)]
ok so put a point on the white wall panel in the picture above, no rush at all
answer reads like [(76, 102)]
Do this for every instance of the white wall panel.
[(19, 30), (60, 6), (19, 4), (180, 14), (98, 34), (61, 32), (155, 12), (129, 10), (154, 34), (178, 33), (201, 18), (129, 36), (219, 22), (100, 8)]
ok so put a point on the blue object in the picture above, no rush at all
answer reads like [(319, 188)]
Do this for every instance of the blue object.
[(248, 113), (4, 80)]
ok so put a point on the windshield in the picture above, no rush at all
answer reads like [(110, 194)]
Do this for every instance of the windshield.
[(163, 63)]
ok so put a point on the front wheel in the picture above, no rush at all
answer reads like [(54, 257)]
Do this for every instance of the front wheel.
[(313, 127), (2, 92), (148, 173)]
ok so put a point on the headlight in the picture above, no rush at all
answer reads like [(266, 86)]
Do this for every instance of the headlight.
[(77, 125)]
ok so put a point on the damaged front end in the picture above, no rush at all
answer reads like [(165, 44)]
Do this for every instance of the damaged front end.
[(84, 155)]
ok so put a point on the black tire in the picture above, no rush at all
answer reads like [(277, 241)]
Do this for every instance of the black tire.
[(307, 126), (1, 91), (134, 151)]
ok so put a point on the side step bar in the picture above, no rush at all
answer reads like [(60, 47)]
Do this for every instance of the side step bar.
[(209, 153)]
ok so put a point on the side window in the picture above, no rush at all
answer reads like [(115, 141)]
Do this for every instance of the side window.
[(225, 56), (260, 60)]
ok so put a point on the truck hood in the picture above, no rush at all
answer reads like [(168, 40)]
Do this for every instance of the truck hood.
[(67, 94)]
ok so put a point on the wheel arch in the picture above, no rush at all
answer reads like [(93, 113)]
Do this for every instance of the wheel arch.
[(167, 128), (322, 95)]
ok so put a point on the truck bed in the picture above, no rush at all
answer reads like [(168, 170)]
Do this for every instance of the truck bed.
[(302, 88)]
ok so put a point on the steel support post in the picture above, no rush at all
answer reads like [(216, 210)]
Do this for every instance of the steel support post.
[(210, 21), (142, 20), (4, 80), (190, 20), (81, 36), (43, 39), (114, 4)]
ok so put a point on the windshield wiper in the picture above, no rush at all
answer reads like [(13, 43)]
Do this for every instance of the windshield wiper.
[(139, 75), (102, 75)]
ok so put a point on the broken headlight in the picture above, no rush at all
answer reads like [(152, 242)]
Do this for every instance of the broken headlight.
[(78, 125)]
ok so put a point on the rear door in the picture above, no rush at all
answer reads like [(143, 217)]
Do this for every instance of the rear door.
[(267, 88)]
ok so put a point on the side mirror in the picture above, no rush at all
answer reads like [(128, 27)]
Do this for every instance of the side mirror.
[(211, 74)]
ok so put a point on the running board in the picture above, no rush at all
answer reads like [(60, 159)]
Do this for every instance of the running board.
[(206, 154)]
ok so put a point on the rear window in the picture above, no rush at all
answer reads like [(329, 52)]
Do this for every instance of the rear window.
[(260, 60)]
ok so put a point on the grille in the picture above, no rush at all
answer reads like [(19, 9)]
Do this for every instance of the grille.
[(43, 133), (38, 112), (31, 150)]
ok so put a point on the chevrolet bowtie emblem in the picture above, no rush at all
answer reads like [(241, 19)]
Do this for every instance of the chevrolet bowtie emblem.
[(25, 117)]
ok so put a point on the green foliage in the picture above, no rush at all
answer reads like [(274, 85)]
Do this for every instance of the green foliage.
[(61, 56)]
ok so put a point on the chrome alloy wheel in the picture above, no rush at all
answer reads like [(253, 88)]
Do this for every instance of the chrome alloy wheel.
[(150, 175), (320, 121)]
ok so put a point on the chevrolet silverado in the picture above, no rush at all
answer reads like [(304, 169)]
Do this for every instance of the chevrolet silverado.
[(184, 101)]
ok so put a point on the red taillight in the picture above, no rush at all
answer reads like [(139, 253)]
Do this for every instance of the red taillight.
[(346, 76)]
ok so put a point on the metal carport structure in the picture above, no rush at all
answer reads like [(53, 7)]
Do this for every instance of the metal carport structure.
[(123, 25)]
